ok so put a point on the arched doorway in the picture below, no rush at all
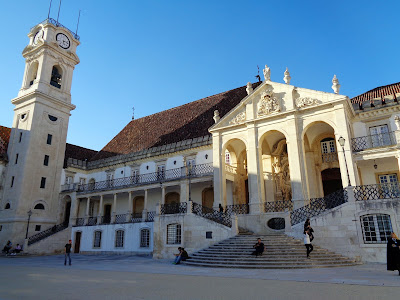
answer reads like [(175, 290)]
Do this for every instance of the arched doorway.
[(67, 212), (331, 180), (172, 198), (138, 205), (208, 197)]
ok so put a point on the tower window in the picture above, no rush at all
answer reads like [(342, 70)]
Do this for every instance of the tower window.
[(8, 206), (20, 137), (39, 206), (46, 160), (12, 181), (49, 138), (56, 77), (38, 227), (52, 118), (16, 158), (43, 183)]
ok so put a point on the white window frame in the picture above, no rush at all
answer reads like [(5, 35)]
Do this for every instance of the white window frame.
[(161, 172), (119, 238), (145, 238), (174, 234), (227, 157), (376, 228), (380, 135), (328, 146), (97, 239)]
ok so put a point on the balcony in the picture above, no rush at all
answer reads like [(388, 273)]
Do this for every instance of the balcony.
[(119, 219), (140, 180), (373, 141), (329, 157)]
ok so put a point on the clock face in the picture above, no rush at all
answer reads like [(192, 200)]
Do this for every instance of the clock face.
[(63, 41), (38, 35)]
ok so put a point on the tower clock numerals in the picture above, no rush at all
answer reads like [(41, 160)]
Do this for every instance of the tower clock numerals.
[(38, 35), (63, 41)]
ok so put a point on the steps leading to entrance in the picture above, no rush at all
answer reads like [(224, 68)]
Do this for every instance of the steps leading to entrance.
[(282, 252), (52, 244)]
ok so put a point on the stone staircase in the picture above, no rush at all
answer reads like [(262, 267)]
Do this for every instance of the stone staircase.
[(282, 252)]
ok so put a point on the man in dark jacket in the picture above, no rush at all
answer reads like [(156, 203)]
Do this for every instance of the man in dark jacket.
[(393, 253), (259, 248)]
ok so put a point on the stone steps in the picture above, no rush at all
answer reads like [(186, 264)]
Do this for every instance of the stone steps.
[(282, 252)]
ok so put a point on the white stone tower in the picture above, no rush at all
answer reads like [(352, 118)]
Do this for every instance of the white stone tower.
[(39, 131)]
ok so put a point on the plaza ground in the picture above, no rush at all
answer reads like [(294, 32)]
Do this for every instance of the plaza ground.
[(130, 277)]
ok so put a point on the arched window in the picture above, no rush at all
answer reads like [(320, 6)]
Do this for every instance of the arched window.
[(56, 75), (119, 238), (7, 206), (376, 228), (32, 74), (174, 234), (39, 206), (145, 238), (97, 239)]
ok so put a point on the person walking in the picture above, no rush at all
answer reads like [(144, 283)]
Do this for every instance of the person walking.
[(67, 252), (307, 242), (307, 226), (393, 253)]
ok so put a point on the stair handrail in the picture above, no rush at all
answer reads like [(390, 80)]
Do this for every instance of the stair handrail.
[(212, 214), (46, 233)]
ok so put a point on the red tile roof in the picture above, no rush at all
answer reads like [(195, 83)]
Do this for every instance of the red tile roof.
[(379, 92), (77, 152), (4, 140), (180, 123)]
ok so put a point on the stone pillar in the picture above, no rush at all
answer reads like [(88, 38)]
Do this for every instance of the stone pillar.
[(74, 209), (219, 172), (256, 185), (87, 210), (144, 212), (114, 212), (350, 194), (100, 214), (163, 195), (184, 196), (130, 204)]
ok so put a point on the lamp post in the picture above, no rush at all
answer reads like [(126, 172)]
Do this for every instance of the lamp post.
[(27, 226), (341, 141)]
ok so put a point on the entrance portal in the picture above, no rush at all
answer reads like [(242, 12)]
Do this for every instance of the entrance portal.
[(67, 213), (78, 235), (107, 214), (331, 180)]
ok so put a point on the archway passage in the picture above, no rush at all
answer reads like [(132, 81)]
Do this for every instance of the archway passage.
[(67, 212), (331, 180), (208, 198)]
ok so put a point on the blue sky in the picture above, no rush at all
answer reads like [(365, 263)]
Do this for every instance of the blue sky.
[(156, 55)]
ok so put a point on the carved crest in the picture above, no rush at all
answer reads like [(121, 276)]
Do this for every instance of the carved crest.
[(306, 101), (268, 103), (240, 118)]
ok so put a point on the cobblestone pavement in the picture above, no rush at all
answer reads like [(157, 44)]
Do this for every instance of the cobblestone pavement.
[(131, 277)]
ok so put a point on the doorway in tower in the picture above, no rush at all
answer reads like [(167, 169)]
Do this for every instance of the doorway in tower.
[(67, 213), (331, 180), (78, 236), (107, 214)]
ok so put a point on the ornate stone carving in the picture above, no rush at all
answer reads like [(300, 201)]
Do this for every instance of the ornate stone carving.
[(335, 85), (397, 122), (268, 103), (216, 116), (240, 118), (286, 76), (249, 88), (306, 101), (267, 73)]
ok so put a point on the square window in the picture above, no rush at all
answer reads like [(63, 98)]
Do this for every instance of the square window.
[(174, 234), (376, 228), (208, 234), (43, 183), (37, 227), (49, 139), (145, 238), (97, 239), (46, 160)]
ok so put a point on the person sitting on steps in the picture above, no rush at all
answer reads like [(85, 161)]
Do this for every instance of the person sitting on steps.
[(259, 248), (182, 255)]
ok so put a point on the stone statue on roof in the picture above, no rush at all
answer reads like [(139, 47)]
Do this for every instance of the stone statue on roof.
[(267, 73)]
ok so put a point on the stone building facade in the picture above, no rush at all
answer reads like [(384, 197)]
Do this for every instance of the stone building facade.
[(270, 154)]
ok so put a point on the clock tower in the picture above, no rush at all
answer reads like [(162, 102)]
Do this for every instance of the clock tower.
[(39, 131)]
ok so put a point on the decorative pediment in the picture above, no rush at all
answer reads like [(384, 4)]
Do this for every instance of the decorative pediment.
[(268, 103), (306, 101), (238, 119)]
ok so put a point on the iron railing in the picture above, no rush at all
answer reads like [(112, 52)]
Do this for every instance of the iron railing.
[(373, 141), (173, 208), (212, 214), (121, 218), (46, 233), (329, 157), (58, 24), (318, 205), (143, 179), (105, 219), (150, 216), (92, 221), (136, 218), (278, 206), (377, 191), (239, 209), (80, 222)]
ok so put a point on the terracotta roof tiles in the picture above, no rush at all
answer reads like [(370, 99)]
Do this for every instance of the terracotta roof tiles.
[(379, 92)]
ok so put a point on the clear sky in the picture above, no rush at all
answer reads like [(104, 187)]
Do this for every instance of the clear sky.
[(156, 55)]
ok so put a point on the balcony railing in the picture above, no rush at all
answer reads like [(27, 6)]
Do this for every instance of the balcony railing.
[(173, 208), (373, 141), (230, 169), (239, 209), (92, 221), (212, 214), (278, 206), (143, 179), (119, 219), (56, 23), (377, 191), (329, 157)]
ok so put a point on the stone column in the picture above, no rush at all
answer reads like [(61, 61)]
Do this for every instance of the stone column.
[(163, 195), (184, 191), (144, 212), (130, 205), (219, 172), (114, 212), (74, 209), (87, 210), (100, 214), (256, 185)]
